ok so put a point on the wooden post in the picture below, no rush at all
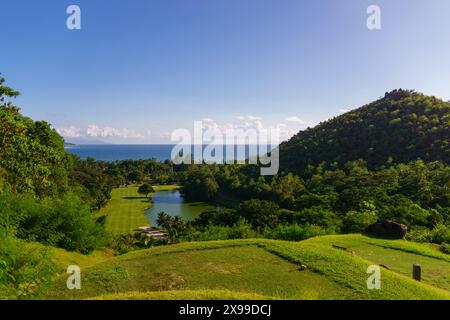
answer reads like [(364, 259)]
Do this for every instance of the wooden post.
[(417, 272)]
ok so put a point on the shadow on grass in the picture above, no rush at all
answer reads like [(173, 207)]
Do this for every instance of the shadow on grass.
[(134, 198)]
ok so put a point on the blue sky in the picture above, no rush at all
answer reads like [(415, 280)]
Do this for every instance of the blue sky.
[(139, 69)]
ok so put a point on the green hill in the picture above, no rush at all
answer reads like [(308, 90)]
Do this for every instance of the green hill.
[(256, 269), (401, 127)]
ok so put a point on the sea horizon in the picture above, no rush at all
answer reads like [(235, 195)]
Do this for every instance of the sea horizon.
[(160, 152)]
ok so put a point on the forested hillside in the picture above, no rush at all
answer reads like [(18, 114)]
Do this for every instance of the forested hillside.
[(401, 127), (32, 156)]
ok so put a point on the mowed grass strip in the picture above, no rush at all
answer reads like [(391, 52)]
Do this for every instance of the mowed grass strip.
[(125, 211)]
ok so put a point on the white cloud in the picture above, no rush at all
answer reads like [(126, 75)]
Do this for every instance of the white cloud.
[(69, 132), (110, 132), (247, 117), (344, 110), (295, 119), (281, 130)]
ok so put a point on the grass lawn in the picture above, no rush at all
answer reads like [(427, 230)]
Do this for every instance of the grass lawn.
[(248, 269), (399, 256), (261, 268), (125, 211)]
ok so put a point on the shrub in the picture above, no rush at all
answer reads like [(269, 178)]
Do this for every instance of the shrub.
[(241, 230), (259, 213), (296, 232), (440, 234), (122, 244), (319, 216), (25, 271), (67, 223), (358, 221), (445, 248), (419, 235)]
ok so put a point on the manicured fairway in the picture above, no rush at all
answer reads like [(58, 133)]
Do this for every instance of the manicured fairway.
[(125, 211)]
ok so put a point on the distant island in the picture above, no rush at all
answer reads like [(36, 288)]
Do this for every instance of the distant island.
[(68, 144)]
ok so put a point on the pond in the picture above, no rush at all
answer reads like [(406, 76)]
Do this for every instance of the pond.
[(172, 203)]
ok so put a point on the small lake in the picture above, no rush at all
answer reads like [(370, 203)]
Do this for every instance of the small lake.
[(172, 203)]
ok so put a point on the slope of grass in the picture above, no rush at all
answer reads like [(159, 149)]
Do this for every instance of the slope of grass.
[(245, 269), (398, 256), (183, 295), (258, 267), (64, 258)]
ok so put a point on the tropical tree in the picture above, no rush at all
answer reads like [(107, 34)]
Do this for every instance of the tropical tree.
[(145, 189)]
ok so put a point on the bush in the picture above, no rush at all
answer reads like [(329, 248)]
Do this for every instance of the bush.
[(218, 216), (241, 230), (122, 244), (440, 234), (296, 232), (445, 248), (419, 235), (259, 213), (25, 271), (358, 221), (66, 223), (319, 216)]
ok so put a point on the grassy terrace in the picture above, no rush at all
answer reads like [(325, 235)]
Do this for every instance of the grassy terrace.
[(125, 211), (252, 269)]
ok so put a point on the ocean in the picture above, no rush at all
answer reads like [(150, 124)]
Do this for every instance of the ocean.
[(113, 152)]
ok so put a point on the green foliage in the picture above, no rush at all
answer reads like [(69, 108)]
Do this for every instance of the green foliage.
[(122, 244), (32, 156), (145, 189), (259, 213), (218, 216), (91, 181), (199, 183), (439, 234), (445, 248), (358, 221), (66, 222), (25, 273), (240, 230), (346, 200), (296, 232), (174, 226)]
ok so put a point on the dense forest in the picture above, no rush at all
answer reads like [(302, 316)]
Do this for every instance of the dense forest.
[(401, 127)]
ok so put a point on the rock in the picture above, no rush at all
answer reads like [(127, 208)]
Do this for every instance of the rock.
[(388, 229)]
